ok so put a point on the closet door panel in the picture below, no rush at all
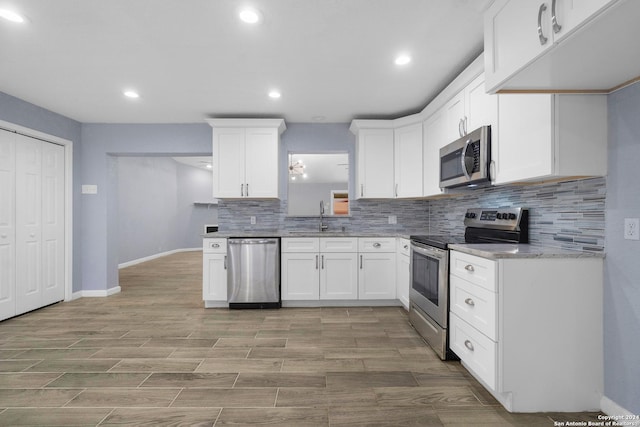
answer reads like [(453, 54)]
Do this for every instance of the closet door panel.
[(28, 224), (7, 225), (52, 223)]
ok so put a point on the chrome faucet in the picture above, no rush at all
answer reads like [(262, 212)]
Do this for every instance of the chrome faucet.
[(322, 226)]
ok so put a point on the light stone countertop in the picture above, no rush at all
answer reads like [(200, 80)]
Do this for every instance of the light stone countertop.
[(504, 251), (296, 233)]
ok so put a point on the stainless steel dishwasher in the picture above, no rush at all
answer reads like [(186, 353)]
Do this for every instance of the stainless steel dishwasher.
[(253, 272)]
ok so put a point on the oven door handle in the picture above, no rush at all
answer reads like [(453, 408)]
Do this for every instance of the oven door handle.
[(432, 252)]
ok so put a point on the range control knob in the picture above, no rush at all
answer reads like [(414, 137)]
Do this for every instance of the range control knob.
[(512, 216), (499, 216), (470, 215)]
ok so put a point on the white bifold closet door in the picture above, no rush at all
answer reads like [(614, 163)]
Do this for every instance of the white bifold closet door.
[(7, 225), (36, 277)]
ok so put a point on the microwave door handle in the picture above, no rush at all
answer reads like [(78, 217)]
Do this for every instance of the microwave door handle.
[(462, 157)]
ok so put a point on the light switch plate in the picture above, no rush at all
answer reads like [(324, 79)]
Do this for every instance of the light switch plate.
[(89, 189), (393, 219)]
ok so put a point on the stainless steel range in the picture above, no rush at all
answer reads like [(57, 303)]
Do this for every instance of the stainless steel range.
[(429, 292)]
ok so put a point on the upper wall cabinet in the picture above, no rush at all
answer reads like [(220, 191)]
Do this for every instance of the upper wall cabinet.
[(245, 157), (527, 44), (374, 157), (389, 160), (545, 137), (408, 161)]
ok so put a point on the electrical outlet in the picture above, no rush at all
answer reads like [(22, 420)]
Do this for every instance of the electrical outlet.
[(253, 220), (393, 219), (631, 226)]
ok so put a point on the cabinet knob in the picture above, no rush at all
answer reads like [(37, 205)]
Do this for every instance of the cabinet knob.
[(469, 268), (32, 234), (406, 246), (468, 344), (470, 302), (215, 245), (377, 245)]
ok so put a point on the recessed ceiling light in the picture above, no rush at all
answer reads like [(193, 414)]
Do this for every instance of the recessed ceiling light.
[(11, 16), (402, 59), (131, 94), (250, 16), (274, 94)]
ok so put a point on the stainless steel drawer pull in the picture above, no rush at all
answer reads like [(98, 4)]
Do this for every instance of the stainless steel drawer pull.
[(469, 267), (225, 262), (323, 262), (360, 262), (317, 256), (376, 245), (468, 344), (470, 302), (554, 18)]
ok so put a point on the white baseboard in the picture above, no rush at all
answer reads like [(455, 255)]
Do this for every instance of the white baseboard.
[(160, 255), (95, 293), (612, 409)]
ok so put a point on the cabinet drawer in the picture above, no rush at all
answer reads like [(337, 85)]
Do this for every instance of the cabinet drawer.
[(404, 247), (476, 350), (300, 244), (375, 244), (477, 270), (475, 305), (214, 246), (339, 244)]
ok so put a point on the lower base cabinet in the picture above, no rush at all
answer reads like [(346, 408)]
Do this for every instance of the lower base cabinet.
[(339, 276), (377, 276), (214, 272), (530, 329)]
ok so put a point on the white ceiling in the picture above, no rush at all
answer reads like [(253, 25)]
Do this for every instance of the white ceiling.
[(193, 59)]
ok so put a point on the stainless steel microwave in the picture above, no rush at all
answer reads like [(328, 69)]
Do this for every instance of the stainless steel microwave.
[(466, 160)]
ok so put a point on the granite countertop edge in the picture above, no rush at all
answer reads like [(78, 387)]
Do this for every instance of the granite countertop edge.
[(289, 234), (519, 251)]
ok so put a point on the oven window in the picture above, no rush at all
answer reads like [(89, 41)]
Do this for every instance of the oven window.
[(425, 276)]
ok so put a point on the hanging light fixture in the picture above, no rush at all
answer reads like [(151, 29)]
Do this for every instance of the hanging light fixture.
[(295, 169)]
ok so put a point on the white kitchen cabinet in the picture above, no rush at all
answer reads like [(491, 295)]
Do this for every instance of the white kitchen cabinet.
[(550, 137), (530, 329), (300, 272), (374, 155), (434, 138), (338, 276), (245, 157), (214, 272), (319, 268), (403, 272), (300, 277), (32, 239), (377, 275), (408, 161), (524, 49), (454, 126)]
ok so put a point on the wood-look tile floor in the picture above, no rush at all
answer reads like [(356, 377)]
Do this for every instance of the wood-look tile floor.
[(152, 355)]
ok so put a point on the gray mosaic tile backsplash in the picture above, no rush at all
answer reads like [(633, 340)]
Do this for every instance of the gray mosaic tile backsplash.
[(566, 215)]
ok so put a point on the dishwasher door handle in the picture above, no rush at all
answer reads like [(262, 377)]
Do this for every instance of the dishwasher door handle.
[(253, 242)]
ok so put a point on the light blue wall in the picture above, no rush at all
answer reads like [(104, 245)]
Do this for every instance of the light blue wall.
[(622, 269), (101, 143), (156, 211), (22, 113)]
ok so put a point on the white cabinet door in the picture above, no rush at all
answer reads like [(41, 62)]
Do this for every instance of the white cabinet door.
[(300, 276), (525, 138), (28, 224), (455, 120), (481, 108), (408, 161), (375, 164), (338, 276), (434, 139), (52, 223), (7, 225), (214, 277), (377, 279), (261, 162), (570, 14), (228, 162), (511, 37)]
